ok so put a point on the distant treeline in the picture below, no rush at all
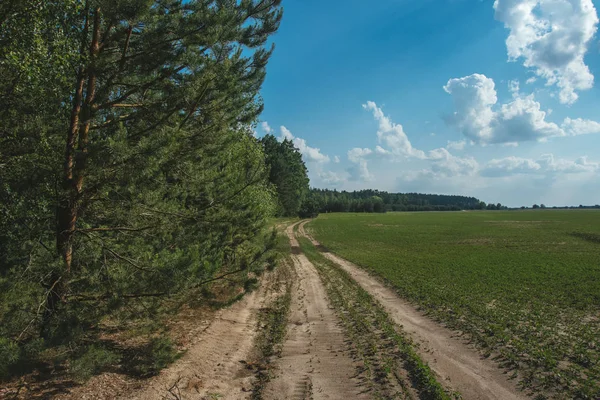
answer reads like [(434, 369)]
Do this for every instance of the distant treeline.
[(326, 200), (581, 206)]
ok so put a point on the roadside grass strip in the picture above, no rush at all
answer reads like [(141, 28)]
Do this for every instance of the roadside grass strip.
[(272, 323)]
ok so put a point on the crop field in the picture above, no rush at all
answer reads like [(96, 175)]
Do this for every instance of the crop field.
[(523, 285)]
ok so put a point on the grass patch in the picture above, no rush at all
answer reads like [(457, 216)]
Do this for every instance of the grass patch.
[(384, 349), (590, 237), (272, 323), (521, 284)]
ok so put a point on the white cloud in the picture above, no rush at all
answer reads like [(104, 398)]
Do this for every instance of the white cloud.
[(580, 126), (359, 171), (381, 151), (357, 154), (310, 154), (392, 134), (509, 166), (552, 37), (336, 159), (531, 80), (550, 164), (266, 128), (546, 164), (440, 162), (459, 145), (330, 178), (445, 164), (285, 134), (520, 120), (513, 87)]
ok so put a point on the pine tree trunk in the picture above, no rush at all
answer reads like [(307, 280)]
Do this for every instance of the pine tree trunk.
[(74, 170), (88, 106)]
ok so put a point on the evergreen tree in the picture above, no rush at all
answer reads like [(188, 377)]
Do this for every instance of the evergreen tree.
[(288, 174), (128, 167)]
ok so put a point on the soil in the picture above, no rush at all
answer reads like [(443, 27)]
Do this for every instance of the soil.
[(316, 361)]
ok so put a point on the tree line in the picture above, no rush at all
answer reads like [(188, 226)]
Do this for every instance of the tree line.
[(325, 201)]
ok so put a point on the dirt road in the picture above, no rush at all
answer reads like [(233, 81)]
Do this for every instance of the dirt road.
[(333, 347), (460, 366), (214, 367), (315, 362)]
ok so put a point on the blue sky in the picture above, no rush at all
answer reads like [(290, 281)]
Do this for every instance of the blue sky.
[(494, 99)]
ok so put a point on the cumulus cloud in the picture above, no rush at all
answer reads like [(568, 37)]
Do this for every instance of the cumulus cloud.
[(445, 164), (546, 164), (458, 145), (266, 128), (509, 166), (392, 135), (330, 178), (440, 162), (552, 164), (285, 134), (381, 151), (310, 154), (552, 38), (336, 159), (356, 154), (513, 87), (360, 170), (580, 126), (519, 120)]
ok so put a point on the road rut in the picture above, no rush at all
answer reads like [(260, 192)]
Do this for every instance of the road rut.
[(315, 362), (215, 366)]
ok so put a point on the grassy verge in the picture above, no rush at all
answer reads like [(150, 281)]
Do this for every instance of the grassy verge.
[(393, 368), (272, 323)]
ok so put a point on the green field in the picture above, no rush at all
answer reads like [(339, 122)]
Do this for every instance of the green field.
[(524, 285)]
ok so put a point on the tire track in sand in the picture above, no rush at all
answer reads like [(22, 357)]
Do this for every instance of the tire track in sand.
[(459, 366), (213, 367), (315, 361)]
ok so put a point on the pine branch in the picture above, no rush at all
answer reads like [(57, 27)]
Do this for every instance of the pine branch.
[(117, 228)]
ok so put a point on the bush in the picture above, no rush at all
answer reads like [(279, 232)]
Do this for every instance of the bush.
[(92, 362), (163, 353), (9, 356), (309, 209)]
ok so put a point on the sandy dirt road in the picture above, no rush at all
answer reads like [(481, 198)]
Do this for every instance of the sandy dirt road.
[(457, 365), (215, 366), (315, 362)]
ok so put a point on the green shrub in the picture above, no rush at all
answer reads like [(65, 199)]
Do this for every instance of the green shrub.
[(92, 362), (9, 356), (163, 353)]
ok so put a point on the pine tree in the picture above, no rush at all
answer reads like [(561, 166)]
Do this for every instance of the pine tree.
[(129, 170)]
